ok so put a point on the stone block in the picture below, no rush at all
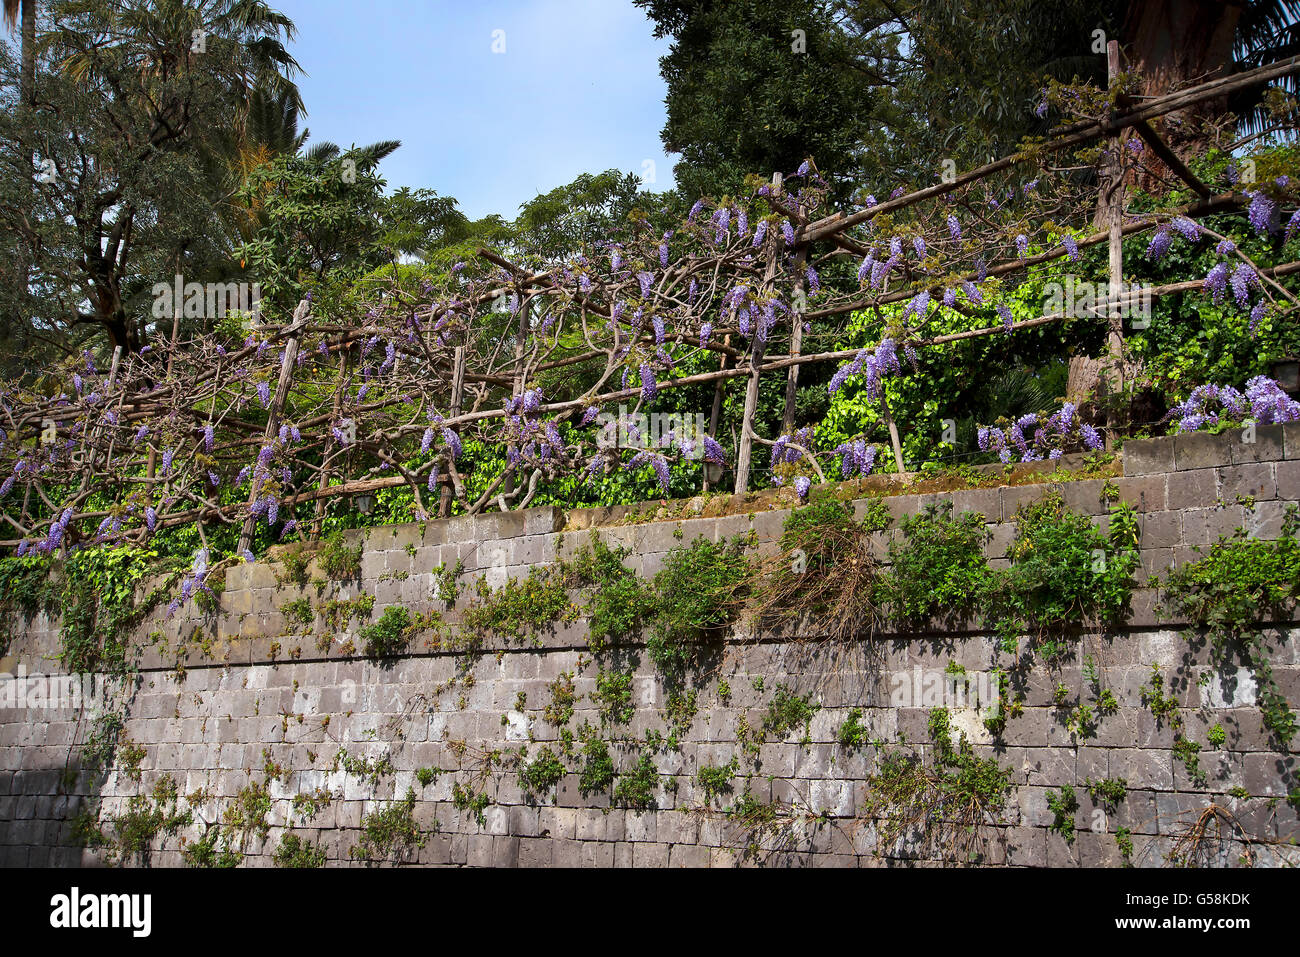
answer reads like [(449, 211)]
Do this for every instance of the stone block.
[(1267, 447), (1148, 456), (1247, 481), (1200, 450)]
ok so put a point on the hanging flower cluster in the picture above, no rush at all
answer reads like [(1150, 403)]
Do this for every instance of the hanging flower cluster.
[(1036, 436)]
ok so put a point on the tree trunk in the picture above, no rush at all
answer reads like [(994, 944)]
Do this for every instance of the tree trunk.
[(1172, 43), (28, 91)]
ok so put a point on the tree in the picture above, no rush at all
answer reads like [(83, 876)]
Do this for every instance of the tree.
[(1173, 43), (129, 99), (757, 86)]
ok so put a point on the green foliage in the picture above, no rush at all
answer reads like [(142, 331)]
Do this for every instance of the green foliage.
[(465, 798), (519, 609), (1109, 791), (445, 586), (95, 592), (948, 803), (788, 711), (101, 741), (698, 588), (853, 733), (613, 696), (1063, 807), (939, 568), (248, 813), (295, 852), (560, 710), (1124, 841), (337, 612), (715, 781), (390, 635), (145, 818), (295, 559), (1189, 752), (679, 712), (373, 771), (823, 570), (24, 591), (212, 850), (1063, 573), (299, 610), (338, 560), (620, 601), (1165, 709), (636, 788), (543, 773), (1227, 593), (597, 774), (426, 776), (391, 832)]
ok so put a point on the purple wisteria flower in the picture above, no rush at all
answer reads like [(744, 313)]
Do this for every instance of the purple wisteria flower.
[(919, 305), (648, 387), (1160, 244), (1243, 280), (655, 461), (954, 228), (1216, 282), (857, 457), (1263, 213), (1036, 436)]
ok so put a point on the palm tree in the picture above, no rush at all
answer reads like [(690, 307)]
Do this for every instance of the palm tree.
[(1174, 43)]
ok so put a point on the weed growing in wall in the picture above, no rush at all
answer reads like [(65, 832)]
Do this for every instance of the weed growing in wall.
[(390, 635), (939, 568), (1064, 573), (298, 852), (947, 804), (339, 560), (1225, 596), (699, 590), (391, 833), (823, 570)]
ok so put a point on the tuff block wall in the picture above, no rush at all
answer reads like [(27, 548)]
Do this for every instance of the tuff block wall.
[(246, 705)]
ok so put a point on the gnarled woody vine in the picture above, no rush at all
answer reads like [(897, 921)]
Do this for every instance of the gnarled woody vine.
[(266, 430)]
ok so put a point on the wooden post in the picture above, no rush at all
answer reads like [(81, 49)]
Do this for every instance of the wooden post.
[(1114, 215), (796, 342), (318, 524), (715, 414), (457, 397), (518, 390), (894, 441), (277, 407)]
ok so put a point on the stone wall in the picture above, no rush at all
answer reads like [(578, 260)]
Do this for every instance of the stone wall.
[(245, 704)]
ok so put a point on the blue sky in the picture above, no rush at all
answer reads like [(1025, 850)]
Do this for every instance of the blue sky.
[(576, 90)]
